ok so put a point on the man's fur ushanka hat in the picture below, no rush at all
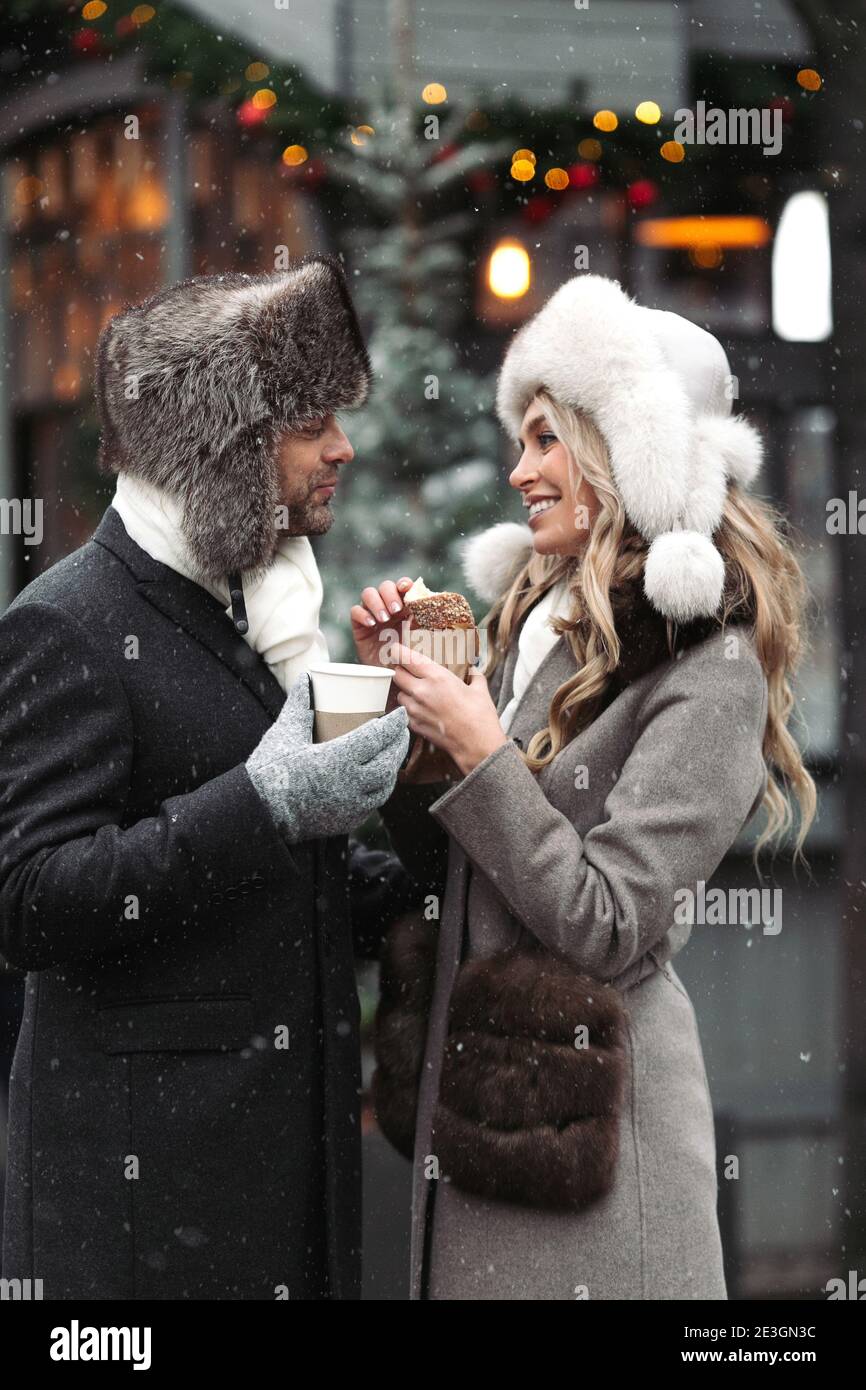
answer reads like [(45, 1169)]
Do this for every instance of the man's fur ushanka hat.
[(196, 385)]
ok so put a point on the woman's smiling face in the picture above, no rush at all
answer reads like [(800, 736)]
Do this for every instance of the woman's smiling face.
[(560, 518)]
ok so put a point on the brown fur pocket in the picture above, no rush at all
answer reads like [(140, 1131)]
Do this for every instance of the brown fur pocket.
[(533, 1074)]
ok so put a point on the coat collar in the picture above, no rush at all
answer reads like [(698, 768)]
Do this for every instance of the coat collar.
[(192, 608)]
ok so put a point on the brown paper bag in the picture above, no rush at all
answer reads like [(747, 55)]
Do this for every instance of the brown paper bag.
[(456, 648)]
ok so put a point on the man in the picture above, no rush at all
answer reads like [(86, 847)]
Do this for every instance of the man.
[(175, 874)]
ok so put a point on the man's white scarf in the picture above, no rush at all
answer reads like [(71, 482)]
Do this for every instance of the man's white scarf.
[(282, 606)]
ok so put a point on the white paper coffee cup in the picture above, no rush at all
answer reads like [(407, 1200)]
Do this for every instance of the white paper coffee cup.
[(347, 695)]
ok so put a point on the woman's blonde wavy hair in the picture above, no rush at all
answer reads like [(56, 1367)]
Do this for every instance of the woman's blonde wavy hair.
[(763, 580)]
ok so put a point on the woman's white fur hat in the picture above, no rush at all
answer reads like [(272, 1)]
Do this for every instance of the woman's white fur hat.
[(658, 388)]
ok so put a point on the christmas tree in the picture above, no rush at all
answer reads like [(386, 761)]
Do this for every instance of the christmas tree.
[(424, 473)]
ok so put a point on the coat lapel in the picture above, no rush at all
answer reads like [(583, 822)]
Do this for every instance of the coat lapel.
[(192, 608), (532, 708)]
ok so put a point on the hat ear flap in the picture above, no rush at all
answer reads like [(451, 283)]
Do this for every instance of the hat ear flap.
[(738, 444), (492, 558), (229, 504), (108, 381), (708, 484)]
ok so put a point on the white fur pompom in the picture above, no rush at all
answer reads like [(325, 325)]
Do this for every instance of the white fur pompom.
[(492, 558), (684, 576)]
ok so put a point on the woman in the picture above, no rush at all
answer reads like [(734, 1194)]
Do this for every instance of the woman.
[(632, 718)]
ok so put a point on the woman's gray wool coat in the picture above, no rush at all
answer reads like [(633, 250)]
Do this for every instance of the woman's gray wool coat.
[(589, 865), (184, 1116)]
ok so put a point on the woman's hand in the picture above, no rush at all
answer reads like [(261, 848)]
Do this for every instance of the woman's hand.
[(378, 610), (457, 717)]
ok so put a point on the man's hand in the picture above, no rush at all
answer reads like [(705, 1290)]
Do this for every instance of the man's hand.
[(317, 789), (461, 718)]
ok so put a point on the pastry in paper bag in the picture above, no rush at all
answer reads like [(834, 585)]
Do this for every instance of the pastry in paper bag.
[(443, 629)]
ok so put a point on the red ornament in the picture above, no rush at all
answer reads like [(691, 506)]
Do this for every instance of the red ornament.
[(642, 193), (538, 209), (315, 171), (248, 115), (583, 175), (482, 181), (446, 152), (87, 41)]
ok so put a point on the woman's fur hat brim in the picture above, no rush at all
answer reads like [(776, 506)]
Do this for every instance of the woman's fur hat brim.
[(197, 385), (658, 388)]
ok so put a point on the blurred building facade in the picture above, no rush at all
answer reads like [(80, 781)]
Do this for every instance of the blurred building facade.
[(112, 219)]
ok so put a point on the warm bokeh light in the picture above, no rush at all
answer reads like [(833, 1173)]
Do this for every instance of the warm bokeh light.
[(523, 170), (142, 14), (257, 72), (649, 112), (67, 382), (28, 189), (509, 270), (434, 93), (94, 9), (295, 154), (556, 178), (521, 155), (605, 120), (687, 233), (809, 80), (673, 151), (589, 148), (264, 99), (147, 208), (707, 257), (361, 134)]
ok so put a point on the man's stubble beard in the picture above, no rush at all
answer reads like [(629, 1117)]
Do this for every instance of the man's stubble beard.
[(303, 516), (308, 521)]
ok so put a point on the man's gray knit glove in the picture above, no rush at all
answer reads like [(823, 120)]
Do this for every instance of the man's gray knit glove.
[(318, 789)]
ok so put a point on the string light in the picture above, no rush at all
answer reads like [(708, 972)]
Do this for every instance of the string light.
[(556, 179), (649, 112), (809, 80), (523, 170)]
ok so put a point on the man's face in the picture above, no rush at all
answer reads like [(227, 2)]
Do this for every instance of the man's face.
[(309, 465)]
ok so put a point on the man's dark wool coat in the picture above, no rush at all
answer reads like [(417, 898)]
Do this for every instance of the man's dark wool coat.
[(184, 1115)]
